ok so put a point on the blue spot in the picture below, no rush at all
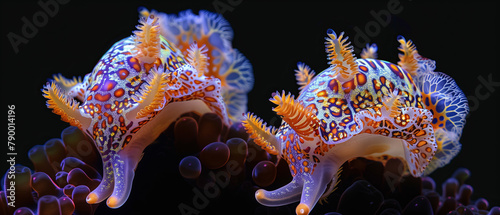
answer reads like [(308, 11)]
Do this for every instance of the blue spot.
[(216, 40), (440, 84), (174, 30), (427, 101), (232, 76), (215, 56), (434, 121), (440, 106), (185, 26), (441, 118), (433, 98), (451, 113), (426, 87)]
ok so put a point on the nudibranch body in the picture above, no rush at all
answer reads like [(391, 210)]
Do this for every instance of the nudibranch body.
[(360, 108), (140, 86)]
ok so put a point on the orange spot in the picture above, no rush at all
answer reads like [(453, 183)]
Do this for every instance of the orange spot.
[(363, 68), (419, 133), (210, 88), (95, 87), (361, 78), (210, 99), (421, 143), (306, 169), (127, 140), (322, 94), (119, 92), (348, 86), (102, 98), (382, 79), (122, 74), (333, 85), (137, 67), (394, 67), (184, 77), (423, 155), (136, 129)]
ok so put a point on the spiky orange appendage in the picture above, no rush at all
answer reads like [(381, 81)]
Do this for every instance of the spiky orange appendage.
[(262, 135), (393, 104), (408, 60), (303, 121), (340, 54), (152, 96), (303, 75), (197, 57), (369, 52), (62, 105), (147, 39), (67, 83)]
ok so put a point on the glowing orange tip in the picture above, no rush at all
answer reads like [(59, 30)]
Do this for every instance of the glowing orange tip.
[(92, 198), (259, 194), (112, 202), (302, 209)]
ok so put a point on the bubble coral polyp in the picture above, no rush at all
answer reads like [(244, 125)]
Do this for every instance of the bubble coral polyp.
[(142, 84), (360, 108)]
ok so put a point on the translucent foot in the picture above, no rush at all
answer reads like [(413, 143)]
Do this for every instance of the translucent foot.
[(117, 181), (285, 195), (123, 168), (105, 188), (314, 187)]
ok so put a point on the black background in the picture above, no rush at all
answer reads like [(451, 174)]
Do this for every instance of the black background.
[(274, 36)]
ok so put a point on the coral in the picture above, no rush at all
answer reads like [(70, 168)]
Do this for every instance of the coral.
[(369, 187), (190, 167), (214, 155), (64, 173), (264, 173)]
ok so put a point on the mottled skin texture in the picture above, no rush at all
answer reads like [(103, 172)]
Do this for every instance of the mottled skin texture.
[(136, 90), (360, 108)]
